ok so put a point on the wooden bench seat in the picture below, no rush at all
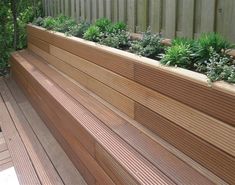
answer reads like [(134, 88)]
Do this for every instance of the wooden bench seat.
[(105, 147), (34, 153)]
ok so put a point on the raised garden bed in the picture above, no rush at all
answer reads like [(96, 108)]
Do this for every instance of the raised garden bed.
[(179, 105)]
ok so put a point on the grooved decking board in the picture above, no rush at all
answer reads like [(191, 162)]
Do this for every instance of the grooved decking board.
[(76, 151), (45, 170), (120, 101), (63, 165), (220, 134), (139, 167), (117, 65), (151, 150), (39, 43), (207, 155), (24, 169), (208, 100), (205, 99)]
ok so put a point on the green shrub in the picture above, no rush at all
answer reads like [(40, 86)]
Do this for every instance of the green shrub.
[(49, 23), (64, 24), (103, 24), (149, 46), (38, 21), (218, 67), (116, 27), (93, 33), (116, 40), (78, 30), (179, 55), (208, 41)]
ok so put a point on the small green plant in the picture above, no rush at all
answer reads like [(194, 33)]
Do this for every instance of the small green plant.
[(49, 23), (218, 67), (116, 28), (103, 24), (78, 30), (38, 21), (179, 55), (210, 41), (93, 33), (64, 24), (149, 46), (116, 40)]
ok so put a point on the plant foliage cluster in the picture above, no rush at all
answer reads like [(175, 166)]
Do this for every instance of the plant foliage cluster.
[(207, 54), (14, 15)]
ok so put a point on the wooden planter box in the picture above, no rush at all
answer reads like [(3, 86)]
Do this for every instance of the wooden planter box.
[(178, 105)]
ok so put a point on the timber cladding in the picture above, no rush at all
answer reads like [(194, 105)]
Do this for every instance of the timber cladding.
[(184, 110)]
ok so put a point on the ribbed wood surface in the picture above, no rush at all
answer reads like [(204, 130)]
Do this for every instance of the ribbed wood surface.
[(64, 167), (18, 152), (133, 163), (173, 103), (202, 97), (35, 151), (221, 135), (209, 164), (158, 155)]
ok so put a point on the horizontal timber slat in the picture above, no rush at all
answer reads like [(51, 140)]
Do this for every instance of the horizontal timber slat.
[(124, 68), (214, 100), (74, 76), (153, 151), (110, 142), (115, 98), (221, 135), (198, 156)]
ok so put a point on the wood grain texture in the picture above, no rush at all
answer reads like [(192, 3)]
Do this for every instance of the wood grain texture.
[(45, 170), (80, 49), (23, 166), (83, 160), (206, 99), (221, 134), (68, 173), (207, 155), (181, 174), (118, 100), (118, 149), (39, 43)]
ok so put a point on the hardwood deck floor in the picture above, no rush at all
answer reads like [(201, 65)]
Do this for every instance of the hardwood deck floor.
[(26, 144)]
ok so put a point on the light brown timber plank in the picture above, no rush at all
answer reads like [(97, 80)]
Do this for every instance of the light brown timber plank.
[(221, 134), (45, 170), (120, 101), (62, 163), (22, 163), (138, 140)]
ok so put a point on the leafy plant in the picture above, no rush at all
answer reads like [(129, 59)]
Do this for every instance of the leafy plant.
[(116, 40), (149, 46), (93, 33), (38, 21), (179, 55), (218, 67), (49, 23), (78, 30), (103, 24), (116, 28), (210, 41), (64, 24), (14, 15)]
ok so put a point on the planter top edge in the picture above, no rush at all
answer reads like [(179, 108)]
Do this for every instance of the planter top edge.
[(179, 72)]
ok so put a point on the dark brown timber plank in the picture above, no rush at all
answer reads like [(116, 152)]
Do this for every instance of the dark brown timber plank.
[(153, 151), (62, 163), (42, 164), (22, 163), (112, 144)]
